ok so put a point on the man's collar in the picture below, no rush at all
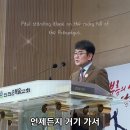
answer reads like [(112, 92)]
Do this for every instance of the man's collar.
[(87, 66)]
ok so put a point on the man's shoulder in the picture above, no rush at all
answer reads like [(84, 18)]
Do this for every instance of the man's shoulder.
[(97, 68), (76, 72), (100, 77), (75, 75), (96, 71)]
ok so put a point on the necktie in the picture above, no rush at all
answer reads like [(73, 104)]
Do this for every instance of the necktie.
[(82, 75)]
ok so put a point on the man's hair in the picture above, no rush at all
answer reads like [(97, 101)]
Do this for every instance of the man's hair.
[(85, 45)]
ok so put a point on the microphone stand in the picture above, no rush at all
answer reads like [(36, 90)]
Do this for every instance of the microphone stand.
[(53, 66)]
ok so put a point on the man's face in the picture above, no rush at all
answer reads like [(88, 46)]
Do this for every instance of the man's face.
[(81, 57)]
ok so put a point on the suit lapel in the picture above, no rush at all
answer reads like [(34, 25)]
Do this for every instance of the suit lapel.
[(89, 72)]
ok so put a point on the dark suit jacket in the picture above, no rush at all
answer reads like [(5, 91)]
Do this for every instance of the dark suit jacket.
[(93, 75)]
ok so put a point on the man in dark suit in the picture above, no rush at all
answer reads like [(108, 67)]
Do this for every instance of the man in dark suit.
[(83, 56)]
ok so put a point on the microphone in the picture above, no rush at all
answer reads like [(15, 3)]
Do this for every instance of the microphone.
[(63, 64), (54, 66)]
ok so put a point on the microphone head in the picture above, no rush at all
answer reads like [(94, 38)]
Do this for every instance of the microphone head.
[(63, 64), (54, 66)]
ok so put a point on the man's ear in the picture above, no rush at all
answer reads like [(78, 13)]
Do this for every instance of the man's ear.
[(90, 56)]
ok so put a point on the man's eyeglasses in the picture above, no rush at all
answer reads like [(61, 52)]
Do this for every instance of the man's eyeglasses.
[(79, 53)]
